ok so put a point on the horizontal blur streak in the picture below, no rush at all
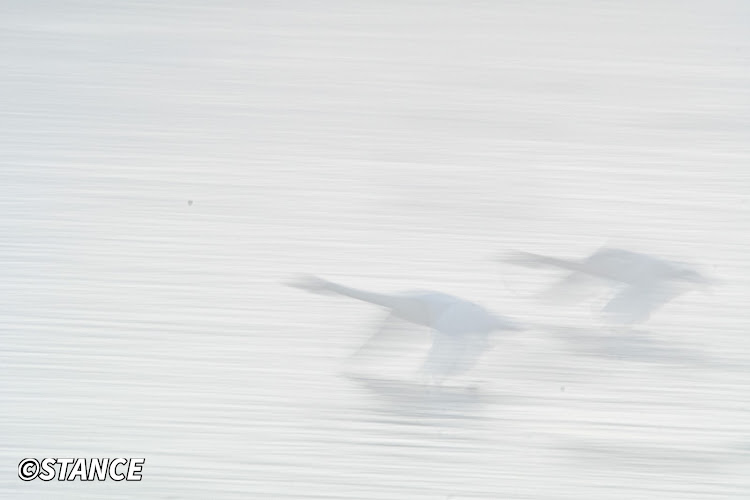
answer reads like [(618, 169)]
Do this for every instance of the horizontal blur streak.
[(165, 166)]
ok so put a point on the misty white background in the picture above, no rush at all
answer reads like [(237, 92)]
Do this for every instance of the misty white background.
[(389, 145)]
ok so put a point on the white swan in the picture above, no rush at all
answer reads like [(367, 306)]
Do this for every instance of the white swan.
[(460, 328), (642, 283)]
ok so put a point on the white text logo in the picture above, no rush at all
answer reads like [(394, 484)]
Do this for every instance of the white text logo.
[(81, 469)]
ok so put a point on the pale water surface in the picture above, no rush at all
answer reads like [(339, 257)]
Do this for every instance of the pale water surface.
[(389, 145)]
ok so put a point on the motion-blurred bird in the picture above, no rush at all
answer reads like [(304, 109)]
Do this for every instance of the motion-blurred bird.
[(460, 328), (642, 283)]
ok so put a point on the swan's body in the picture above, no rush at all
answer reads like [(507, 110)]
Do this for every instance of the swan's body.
[(642, 283), (460, 328)]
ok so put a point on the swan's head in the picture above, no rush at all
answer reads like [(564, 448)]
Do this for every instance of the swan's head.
[(310, 283)]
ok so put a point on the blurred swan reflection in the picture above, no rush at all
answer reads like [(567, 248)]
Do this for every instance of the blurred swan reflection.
[(640, 283), (460, 328)]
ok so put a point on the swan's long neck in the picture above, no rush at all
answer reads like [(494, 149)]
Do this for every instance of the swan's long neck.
[(562, 263), (407, 308), (383, 300), (599, 267), (527, 259)]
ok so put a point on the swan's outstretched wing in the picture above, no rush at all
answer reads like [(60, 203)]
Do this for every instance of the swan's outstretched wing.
[(459, 340), (573, 288), (635, 304), (453, 353), (392, 336)]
